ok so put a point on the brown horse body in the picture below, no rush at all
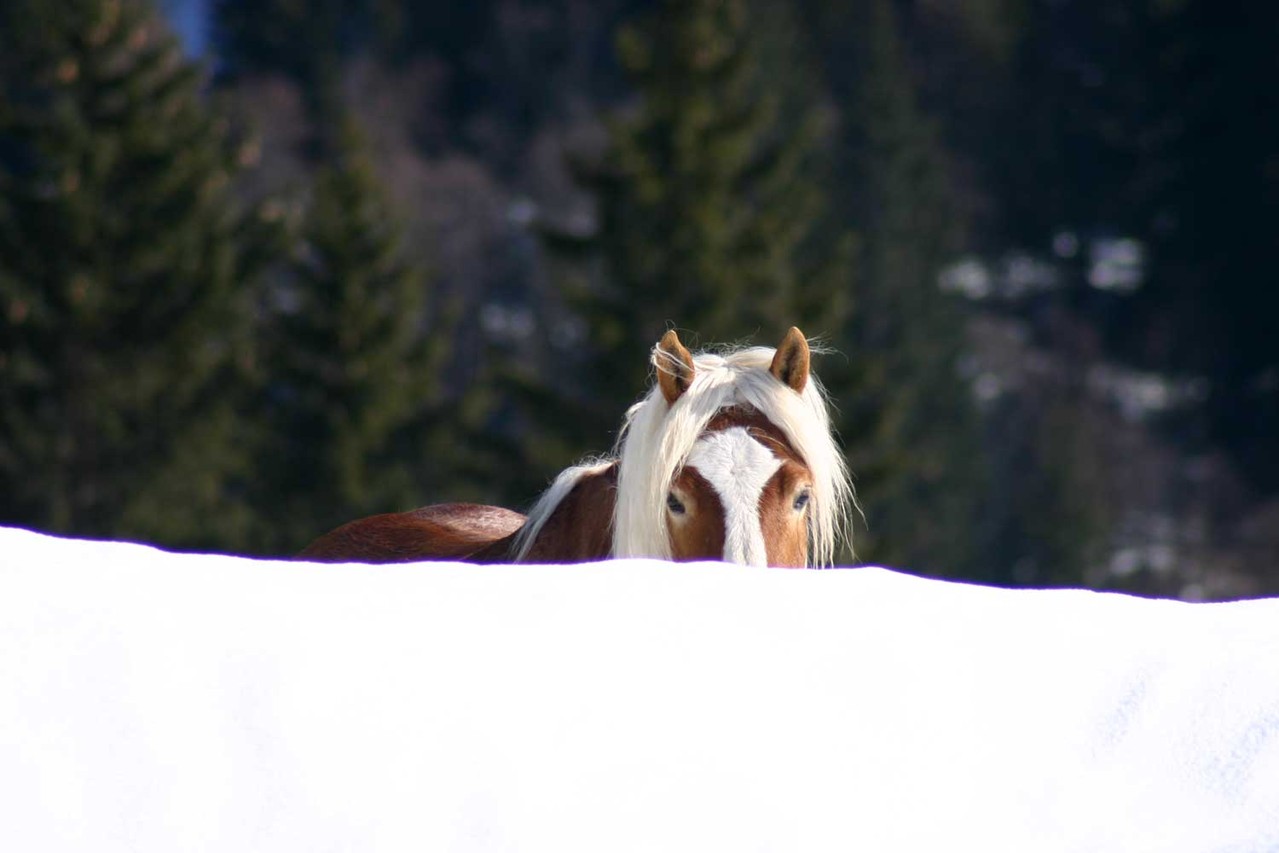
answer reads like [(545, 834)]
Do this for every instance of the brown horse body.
[(713, 465), (476, 533), (457, 531)]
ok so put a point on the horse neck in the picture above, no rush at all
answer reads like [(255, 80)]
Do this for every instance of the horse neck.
[(580, 527)]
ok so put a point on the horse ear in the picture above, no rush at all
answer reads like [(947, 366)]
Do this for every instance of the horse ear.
[(790, 363), (674, 367)]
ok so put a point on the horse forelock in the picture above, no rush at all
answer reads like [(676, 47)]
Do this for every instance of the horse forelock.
[(656, 440)]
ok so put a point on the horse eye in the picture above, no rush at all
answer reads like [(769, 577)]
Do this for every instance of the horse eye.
[(801, 500), (674, 505)]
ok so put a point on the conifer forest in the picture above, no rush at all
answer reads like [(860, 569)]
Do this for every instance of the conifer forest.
[(267, 266)]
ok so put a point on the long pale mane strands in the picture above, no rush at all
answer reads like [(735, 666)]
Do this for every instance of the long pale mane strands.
[(549, 500)]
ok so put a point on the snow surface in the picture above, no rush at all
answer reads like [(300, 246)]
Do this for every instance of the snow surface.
[(159, 702)]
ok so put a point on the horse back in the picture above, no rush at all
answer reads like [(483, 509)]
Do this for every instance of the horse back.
[(456, 531)]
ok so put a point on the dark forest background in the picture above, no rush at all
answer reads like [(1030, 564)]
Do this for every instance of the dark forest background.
[(333, 258)]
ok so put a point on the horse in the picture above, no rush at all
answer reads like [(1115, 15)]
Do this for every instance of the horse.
[(728, 456)]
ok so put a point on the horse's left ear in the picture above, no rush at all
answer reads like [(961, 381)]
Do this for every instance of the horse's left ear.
[(791, 362), (674, 367)]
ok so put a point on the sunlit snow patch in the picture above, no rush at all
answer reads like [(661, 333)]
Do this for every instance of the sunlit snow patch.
[(154, 702)]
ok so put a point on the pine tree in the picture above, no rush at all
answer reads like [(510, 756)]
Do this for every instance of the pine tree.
[(709, 207), (908, 415), (352, 368), (125, 273), (708, 203)]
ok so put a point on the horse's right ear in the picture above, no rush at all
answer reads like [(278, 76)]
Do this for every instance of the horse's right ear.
[(674, 367)]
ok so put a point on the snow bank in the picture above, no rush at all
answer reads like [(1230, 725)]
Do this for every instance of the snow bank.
[(153, 702)]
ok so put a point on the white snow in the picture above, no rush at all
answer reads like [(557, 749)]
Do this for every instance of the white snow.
[(158, 702)]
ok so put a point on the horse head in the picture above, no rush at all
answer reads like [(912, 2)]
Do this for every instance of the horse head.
[(730, 457)]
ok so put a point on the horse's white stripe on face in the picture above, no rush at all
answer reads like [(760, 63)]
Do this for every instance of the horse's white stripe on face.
[(738, 467)]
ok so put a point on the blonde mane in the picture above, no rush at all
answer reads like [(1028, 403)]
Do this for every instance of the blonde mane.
[(656, 439), (541, 510)]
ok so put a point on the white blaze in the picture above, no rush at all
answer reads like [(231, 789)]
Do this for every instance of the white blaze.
[(737, 467)]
